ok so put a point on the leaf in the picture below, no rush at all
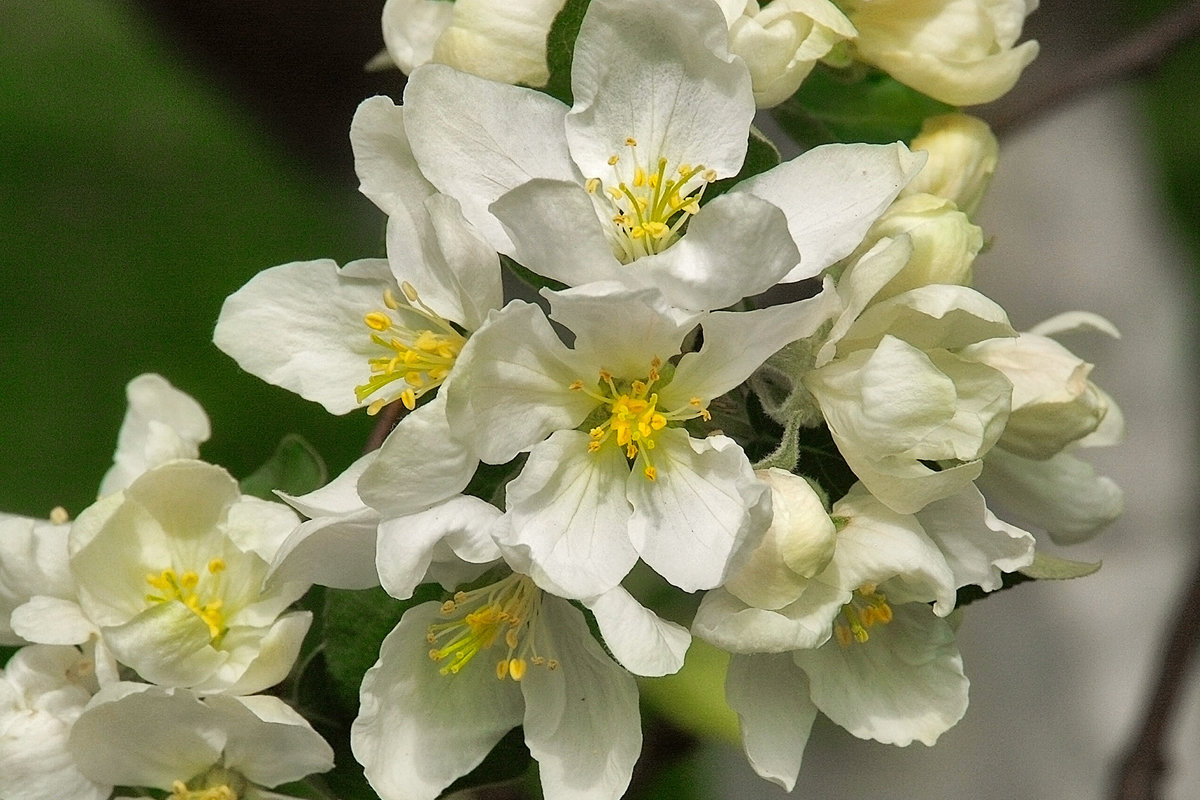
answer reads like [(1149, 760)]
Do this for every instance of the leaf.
[(851, 105), (295, 467), (1046, 567), (560, 49), (761, 155), (356, 622), (509, 759)]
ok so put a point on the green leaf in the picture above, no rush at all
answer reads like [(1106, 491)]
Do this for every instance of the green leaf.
[(560, 49), (761, 155), (853, 105), (295, 467), (529, 277), (356, 622), (1046, 567), (508, 760)]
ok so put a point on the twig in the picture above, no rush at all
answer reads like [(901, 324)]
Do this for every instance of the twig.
[(388, 416), (1145, 763), (1126, 58)]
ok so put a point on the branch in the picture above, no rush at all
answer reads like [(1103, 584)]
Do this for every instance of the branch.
[(1136, 55), (1145, 763), (388, 416)]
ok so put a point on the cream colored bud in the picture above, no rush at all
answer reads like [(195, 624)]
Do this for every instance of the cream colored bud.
[(958, 51), (944, 242), (781, 42), (962, 157), (798, 545), (494, 39), (1053, 402)]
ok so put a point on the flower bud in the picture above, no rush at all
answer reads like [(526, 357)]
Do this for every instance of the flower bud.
[(781, 42), (798, 545), (958, 51), (962, 157)]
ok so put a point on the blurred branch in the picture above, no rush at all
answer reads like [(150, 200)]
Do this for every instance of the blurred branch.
[(388, 416), (1134, 55), (1145, 763)]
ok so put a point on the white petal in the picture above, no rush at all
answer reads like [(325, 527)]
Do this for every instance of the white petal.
[(705, 504), (569, 516), (259, 526), (383, 159), (644, 643), (582, 722), (260, 659), (621, 329), (905, 683), (52, 620), (977, 546), (512, 384), (465, 264), (160, 424), (300, 326), (268, 742), (338, 552), (770, 695), (338, 497), (410, 29), (422, 462), (831, 195), (406, 544), (737, 246), (139, 735), (737, 343), (476, 139), (418, 730), (663, 76), (729, 623), (33, 561), (1063, 495)]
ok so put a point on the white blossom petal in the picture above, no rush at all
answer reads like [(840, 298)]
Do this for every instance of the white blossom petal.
[(643, 643), (770, 695)]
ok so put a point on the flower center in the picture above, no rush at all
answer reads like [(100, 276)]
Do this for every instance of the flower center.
[(419, 358), (634, 418), (505, 611), (648, 205), (866, 608), (217, 784), (205, 602)]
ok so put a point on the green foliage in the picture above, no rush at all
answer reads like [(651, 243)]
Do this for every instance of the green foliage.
[(1045, 567), (761, 155), (854, 105), (560, 49), (821, 461), (295, 468)]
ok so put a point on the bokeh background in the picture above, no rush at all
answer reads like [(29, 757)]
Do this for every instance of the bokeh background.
[(155, 155)]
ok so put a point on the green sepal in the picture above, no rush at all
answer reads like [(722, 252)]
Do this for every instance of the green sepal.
[(1045, 567), (560, 49), (854, 105), (295, 468)]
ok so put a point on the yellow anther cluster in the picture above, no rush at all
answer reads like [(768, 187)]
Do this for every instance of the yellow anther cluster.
[(180, 791), (647, 205), (184, 588), (634, 417), (419, 357), (866, 609), (505, 611)]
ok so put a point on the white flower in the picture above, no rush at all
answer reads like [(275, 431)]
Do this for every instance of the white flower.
[(494, 39), (961, 52), (454, 677), (197, 748), (170, 576), (612, 473), (43, 690), (612, 188), (781, 41), (161, 423), (962, 157), (862, 644)]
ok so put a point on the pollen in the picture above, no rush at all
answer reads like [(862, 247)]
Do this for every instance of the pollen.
[(200, 594), (646, 204), (500, 614), (417, 348), (866, 609)]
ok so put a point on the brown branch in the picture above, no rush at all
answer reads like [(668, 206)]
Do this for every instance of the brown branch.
[(1129, 57), (387, 418), (1145, 763)]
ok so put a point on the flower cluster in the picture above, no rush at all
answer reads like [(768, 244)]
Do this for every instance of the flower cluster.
[(747, 400)]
